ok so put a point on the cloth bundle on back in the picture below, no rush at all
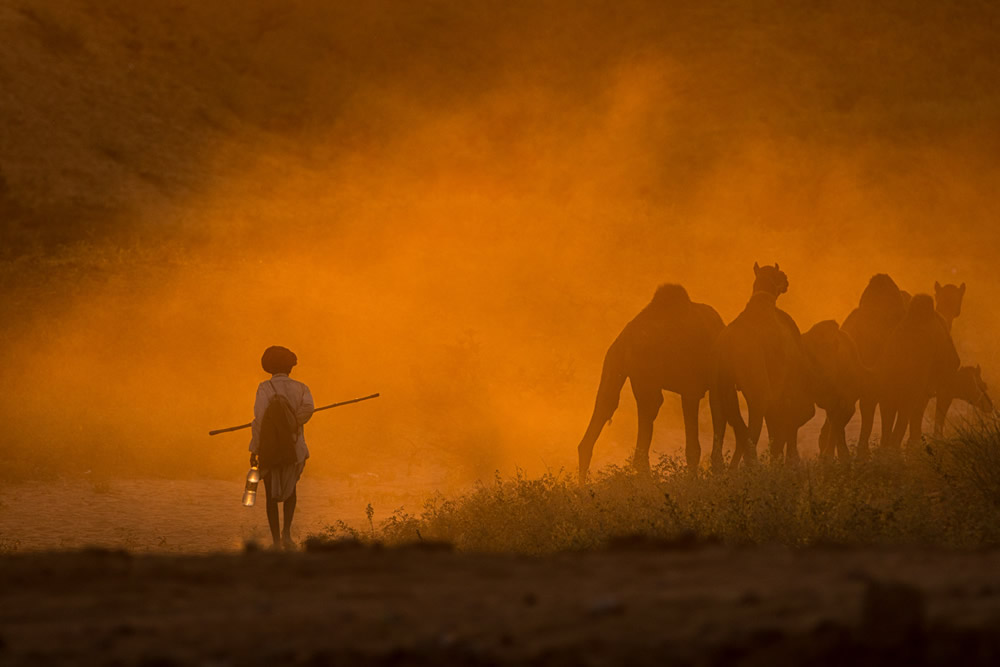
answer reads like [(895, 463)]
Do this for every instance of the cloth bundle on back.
[(279, 429)]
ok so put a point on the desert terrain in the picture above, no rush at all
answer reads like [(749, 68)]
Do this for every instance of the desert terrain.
[(641, 603), (460, 206)]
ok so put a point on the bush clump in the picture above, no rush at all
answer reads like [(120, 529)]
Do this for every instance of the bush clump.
[(943, 493)]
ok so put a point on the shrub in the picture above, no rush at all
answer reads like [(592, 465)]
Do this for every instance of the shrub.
[(944, 494)]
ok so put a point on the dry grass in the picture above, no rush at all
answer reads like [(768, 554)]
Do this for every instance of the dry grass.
[(945, 494)]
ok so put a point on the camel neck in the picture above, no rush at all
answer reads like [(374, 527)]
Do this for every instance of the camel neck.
[(946, 319)]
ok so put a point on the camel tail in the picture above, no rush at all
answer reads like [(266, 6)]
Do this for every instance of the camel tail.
[(613, 376)]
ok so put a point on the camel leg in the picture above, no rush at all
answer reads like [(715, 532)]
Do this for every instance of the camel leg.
[(917, 423), (648, 401), (792, 447), (888, 417), (897, 425), (776, 438), (613, 378), (586, 446), (718, 427), (867, 406), (742, 444), (756, 409), (838, 434), (941, 407), (826, 440), (730, 402), (839, 443), (692, 448)]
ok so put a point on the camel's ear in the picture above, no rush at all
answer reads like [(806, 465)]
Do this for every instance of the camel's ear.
[(961, 289), (776, 267), (979, 369), (937, 286), (756, 268)]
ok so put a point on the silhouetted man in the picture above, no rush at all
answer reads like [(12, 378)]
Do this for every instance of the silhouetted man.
[(280, 480)]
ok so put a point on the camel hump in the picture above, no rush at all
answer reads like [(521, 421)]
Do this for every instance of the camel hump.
[(825, 329), (882, 294), (669, 297), (921, 308), (823, 338)]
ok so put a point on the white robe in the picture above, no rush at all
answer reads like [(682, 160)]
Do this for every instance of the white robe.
[(284, 478)]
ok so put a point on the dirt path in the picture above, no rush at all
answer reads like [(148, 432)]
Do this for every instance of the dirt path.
[(707, 605)]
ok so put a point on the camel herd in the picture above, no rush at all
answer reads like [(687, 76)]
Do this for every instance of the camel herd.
[(894, 351)]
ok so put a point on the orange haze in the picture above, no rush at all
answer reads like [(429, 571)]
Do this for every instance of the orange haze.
[(458, 207)]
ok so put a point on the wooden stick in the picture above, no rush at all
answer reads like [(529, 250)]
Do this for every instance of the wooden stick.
[(325, 407)]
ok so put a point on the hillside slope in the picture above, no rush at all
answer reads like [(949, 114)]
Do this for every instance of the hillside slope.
[(113, 117)]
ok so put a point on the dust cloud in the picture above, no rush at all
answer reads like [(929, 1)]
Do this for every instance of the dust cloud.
[(458, 206)]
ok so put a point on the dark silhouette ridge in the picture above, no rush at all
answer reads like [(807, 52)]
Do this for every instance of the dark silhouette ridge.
[(667, 346), (918, 357), (227, 71), (760, 354)]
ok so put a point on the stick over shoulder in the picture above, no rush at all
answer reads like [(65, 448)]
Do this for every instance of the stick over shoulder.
[(325, 407)]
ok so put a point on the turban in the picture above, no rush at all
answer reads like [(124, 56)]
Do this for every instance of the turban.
[(278, 359)]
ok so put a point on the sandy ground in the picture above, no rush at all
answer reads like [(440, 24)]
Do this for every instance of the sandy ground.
[(181, 515), (199, 516), (644, 604)]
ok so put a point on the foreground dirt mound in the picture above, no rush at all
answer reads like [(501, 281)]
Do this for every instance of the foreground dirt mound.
[(696, 606)]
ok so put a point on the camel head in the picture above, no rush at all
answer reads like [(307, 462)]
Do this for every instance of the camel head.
[(948, 299), (970, 388), (769, 279)]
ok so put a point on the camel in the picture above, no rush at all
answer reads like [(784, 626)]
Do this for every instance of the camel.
[(919, 356), (835, 377), (667, 346), (948, 302), (760, 354), (947, 306), (880, 309), (799, 408), (965, 384), (773, 280)]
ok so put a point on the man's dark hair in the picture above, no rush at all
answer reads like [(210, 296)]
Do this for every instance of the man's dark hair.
[(278, 359)]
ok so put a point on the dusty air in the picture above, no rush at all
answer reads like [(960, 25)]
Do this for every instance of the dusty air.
[(499, 333)]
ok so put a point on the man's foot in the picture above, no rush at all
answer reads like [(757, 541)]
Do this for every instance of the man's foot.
[(288, 544)]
